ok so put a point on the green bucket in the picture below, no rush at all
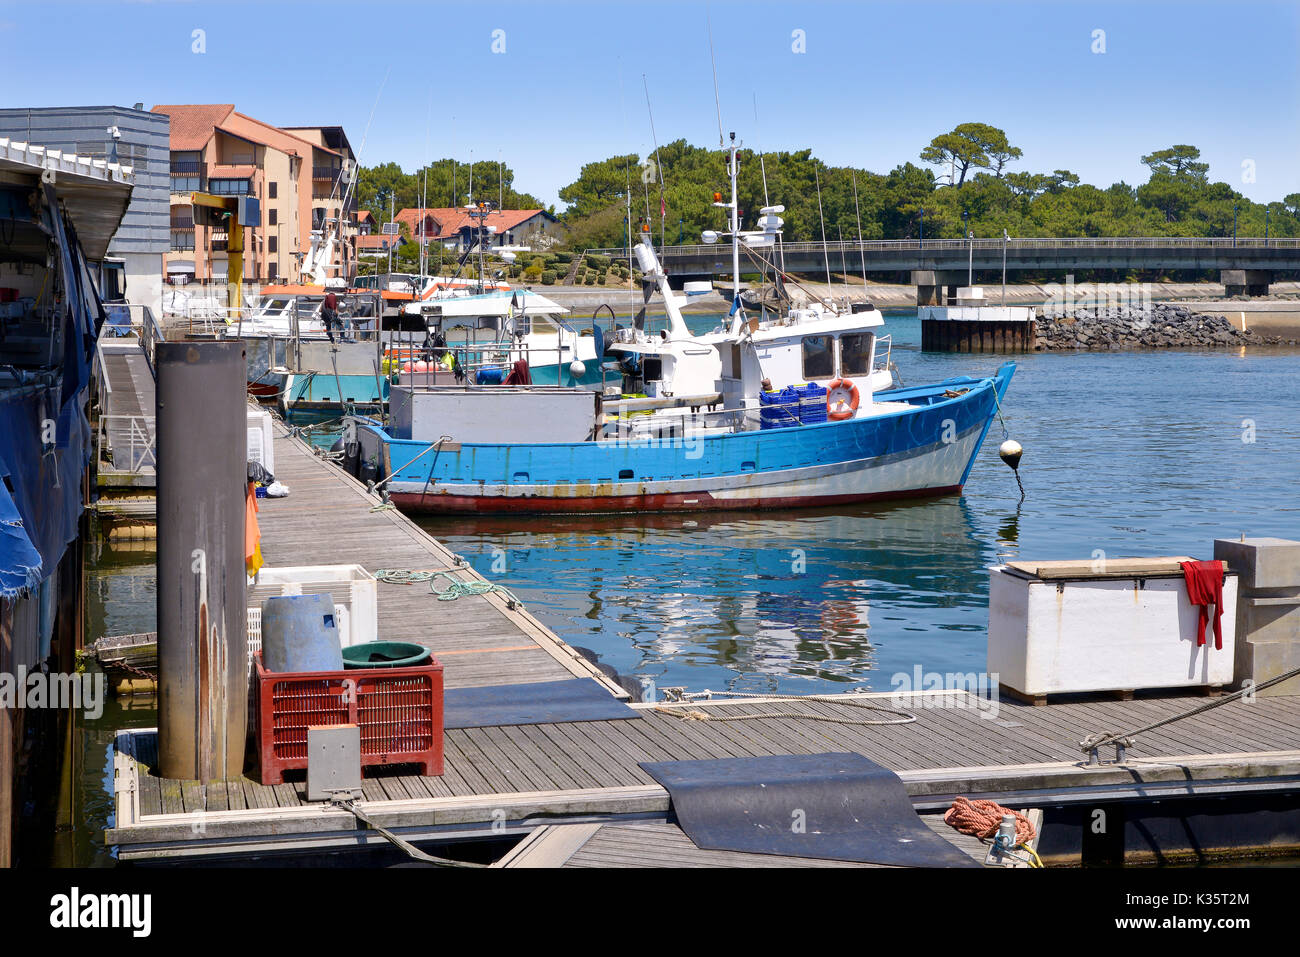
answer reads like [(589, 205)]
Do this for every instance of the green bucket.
[(385, 654)]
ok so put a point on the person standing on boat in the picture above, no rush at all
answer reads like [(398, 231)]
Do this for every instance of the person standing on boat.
[(329, 313)]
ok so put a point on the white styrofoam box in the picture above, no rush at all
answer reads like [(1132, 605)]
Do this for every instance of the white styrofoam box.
[(260, 447), (352, 588), (1104, 634)]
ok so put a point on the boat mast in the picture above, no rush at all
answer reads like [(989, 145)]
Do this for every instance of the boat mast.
[(735, 244)]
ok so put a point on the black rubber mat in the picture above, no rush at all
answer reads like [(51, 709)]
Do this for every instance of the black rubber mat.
[(839, 807), (546, 702)]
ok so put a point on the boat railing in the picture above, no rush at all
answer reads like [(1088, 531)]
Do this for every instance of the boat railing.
[(472, 357), (682, 424), (888, 342)]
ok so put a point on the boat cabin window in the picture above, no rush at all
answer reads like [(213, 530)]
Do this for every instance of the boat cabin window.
[(855, 353), (275, 306), (818, 359)]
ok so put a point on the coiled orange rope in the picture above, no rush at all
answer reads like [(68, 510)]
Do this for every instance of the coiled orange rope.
[(982, 819)]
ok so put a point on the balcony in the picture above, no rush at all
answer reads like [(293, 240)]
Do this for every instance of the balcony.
[(182, 238), (328, 173), (186, 167), (230, 187)]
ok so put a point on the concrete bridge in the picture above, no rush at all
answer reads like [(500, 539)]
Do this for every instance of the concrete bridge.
[(1245, 265)]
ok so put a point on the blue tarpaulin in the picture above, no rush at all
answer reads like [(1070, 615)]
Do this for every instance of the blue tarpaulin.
[(20, 562)]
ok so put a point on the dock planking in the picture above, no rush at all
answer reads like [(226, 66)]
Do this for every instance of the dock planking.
[(662, 844), (329, 518), (534, 776)]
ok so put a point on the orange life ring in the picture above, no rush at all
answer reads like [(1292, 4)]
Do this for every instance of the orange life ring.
[(836, 409)]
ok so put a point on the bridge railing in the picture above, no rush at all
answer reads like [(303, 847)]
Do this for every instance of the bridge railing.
[(1025, 243)]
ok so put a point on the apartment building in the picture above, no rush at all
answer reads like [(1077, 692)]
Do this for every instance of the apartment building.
[(299, 177)]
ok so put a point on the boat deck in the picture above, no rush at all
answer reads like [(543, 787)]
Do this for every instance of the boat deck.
[(504, 781)]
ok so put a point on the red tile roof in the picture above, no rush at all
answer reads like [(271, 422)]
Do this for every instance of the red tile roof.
[(450, 221), (243, 125), (377, 242), (232, 172), (192, 124)]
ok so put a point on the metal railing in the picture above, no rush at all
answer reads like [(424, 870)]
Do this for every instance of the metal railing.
[(1026, 243), (126, 440), (134, 448)]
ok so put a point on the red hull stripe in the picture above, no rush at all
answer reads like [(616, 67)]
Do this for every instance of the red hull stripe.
[(676, 502)]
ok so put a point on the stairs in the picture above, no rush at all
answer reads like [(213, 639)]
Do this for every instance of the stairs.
[(571, 276)]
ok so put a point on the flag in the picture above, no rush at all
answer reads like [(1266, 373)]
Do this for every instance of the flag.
[(663, 210)]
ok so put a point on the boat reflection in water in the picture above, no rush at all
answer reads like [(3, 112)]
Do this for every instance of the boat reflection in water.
[(798, 601)]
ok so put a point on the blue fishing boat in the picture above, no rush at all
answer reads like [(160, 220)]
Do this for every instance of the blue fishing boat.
[(770, 411), (907, 443)]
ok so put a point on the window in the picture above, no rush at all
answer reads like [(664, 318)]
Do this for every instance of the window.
[(855, 353), (273, 244), (271, 188), (273, 217), (818, 360), (228, 187), (271, 272), (186, 184)]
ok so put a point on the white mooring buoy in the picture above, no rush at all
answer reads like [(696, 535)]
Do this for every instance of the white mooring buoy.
[(577, 368), (1010, 452)]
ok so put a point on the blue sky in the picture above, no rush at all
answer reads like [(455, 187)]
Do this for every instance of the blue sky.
[(876, 83)]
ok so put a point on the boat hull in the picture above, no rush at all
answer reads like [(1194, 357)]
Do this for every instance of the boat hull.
[(924, 445)]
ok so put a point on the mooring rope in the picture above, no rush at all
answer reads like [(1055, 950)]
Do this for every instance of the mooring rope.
[(983, 818), (406, 846), (455, 589), (1095, 741), (694, 714)]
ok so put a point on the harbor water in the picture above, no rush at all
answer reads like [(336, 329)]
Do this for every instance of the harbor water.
[(1143, 453), (1137, 453)]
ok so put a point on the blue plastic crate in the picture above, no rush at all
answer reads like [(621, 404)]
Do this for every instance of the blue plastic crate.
[(812, 402), (778, 410)]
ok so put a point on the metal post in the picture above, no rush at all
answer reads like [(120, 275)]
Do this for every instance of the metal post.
[(1266, 212), (202, 624), (235, 266), (920, 241), (970, 262), (1234, 225), (1005, 240)]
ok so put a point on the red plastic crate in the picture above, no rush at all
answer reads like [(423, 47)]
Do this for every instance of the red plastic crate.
[(399, 712)]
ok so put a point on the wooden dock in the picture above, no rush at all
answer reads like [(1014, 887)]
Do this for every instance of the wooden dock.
[(503, 782)]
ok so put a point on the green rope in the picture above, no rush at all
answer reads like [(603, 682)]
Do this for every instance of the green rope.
[(455, 588)]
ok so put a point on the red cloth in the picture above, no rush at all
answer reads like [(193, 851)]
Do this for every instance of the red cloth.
[(1204, 588), (519, 374)]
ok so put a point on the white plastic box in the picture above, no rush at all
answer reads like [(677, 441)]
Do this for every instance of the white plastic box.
[(260, 447), (354, 590), (1105, 631)]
